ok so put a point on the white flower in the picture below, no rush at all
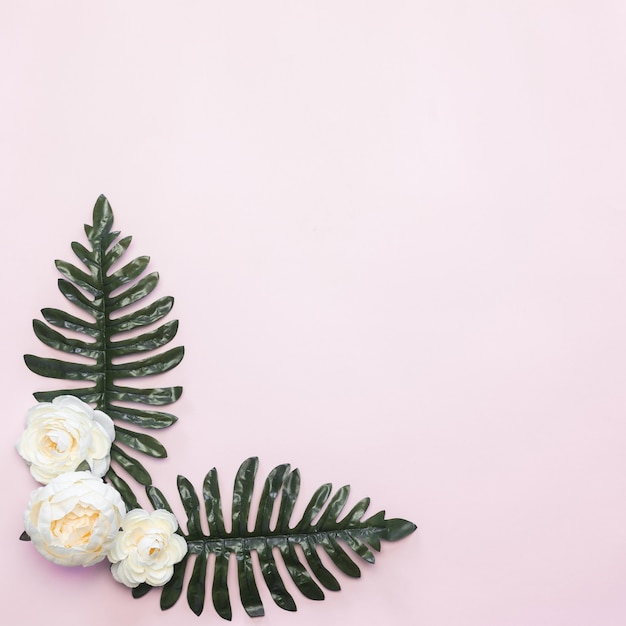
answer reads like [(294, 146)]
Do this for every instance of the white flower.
[(61, 434), (74, 519), (147, 548)]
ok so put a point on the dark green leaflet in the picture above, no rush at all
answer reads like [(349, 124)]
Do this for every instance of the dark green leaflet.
[(101, 293), (338, 538)]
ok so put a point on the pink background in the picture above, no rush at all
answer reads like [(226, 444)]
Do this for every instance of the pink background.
[(395, 235)]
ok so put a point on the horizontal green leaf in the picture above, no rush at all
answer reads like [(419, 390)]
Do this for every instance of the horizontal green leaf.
[(60, 319), (396, 529), (77, 276), (88, 394), (59, 342), (140, 442), (108, 239), (143, 287), (147, 341), (86, 256), (156, 364), (154, 396), (54, 368), (116, 251), (77, 297), (127, 273), (140, 417), (142, 317), (327, 532)]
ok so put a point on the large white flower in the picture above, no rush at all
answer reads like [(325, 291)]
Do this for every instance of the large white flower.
[(147, 548), (74, 519), (61, 434)]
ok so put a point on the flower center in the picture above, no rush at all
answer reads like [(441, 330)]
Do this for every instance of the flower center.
[(149, 546), (57, 441), (75, 528)]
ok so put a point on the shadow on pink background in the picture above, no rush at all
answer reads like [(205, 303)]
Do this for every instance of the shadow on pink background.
[(395, 237)]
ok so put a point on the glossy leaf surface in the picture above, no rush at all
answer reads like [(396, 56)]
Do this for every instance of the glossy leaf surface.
[(115, 344), (323, 528)]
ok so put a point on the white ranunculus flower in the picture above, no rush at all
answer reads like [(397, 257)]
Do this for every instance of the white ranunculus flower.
[(61, 434), (74, 519), (147, 548)]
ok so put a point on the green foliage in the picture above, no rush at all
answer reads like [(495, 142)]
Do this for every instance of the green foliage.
[(318, 528), (109, 351)]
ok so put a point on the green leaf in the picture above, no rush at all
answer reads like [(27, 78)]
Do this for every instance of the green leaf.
[(124, 489), (138, 291), (148, 315), (145, 419), (157, 499), (156, 364), (195, 589), (127, 273), (147, 341), (158, 396), (117, 251), (77, 297), (58, 341), (88, 394), (172, 589), (60, 319), (103, 315), (55, 368), (336, 537), (131, 465), (141, 590), (140, 442)]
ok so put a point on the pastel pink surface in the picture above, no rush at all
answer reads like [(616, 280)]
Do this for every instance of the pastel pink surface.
[(395, 237)]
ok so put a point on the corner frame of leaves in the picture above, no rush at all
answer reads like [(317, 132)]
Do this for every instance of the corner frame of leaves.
[(102, 292)]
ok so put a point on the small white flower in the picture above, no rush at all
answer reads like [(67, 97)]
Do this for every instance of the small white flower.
[(74, 519), (147, 548), (61, 434)]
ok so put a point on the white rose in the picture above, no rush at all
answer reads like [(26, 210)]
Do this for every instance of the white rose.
[(147, 548), (61, 434), (74, 519)]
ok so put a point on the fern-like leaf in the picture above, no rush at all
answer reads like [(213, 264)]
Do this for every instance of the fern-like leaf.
[(319, 529), (105, 331)]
